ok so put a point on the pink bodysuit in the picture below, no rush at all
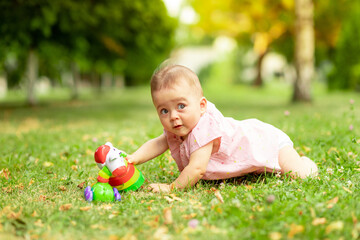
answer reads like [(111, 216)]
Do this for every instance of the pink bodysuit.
[(245, 146)]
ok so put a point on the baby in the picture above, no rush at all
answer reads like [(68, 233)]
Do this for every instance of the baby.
[(207, 145)]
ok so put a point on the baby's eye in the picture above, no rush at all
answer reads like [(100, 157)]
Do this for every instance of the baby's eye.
[(164, 111), (181, 106)]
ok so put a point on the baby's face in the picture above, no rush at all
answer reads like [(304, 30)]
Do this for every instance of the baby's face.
[(179, 108)]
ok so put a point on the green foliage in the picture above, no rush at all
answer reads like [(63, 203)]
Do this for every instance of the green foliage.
[(47, 152), (101, 36), (346, 69)]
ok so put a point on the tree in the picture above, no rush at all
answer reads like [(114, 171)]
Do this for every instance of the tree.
[(253, 23), (346, 60), (99, 36), (304, 49)]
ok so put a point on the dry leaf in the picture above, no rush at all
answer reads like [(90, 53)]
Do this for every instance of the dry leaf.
[(106, 206), (319, 221), (218, 196), (98, 226), (65, 207), (347, 190), (338, 225), (62, 188), (175, 197), (306, 149), (87, 208), (34, 214), (42, 198), (331, 203), (170, 200), (275, 236), (5, 173), (128, 236), (74, 167), (168, 216), (189, 216), (295, 229), (161, 233), (39, 223), (31, 182), (11, 214), (81, 185), (48, 164)]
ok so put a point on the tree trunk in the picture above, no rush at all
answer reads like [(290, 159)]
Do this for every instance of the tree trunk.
[(31, 77), (75, 77), (259, 80), (304, 49)]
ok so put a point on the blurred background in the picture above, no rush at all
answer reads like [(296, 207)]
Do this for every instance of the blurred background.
[(91, 46)]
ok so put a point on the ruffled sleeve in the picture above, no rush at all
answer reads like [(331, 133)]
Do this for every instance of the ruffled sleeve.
[(206, 131)]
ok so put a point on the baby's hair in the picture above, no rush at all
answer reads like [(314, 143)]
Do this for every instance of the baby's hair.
[(168, 75)]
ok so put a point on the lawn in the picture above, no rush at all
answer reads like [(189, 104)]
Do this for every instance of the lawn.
[(46, 156)]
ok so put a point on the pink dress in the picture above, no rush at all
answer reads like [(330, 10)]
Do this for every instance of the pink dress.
[(245, 146)]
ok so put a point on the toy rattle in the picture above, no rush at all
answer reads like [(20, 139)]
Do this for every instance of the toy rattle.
[(115, 175)]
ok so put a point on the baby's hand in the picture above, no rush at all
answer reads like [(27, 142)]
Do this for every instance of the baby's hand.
[(131, 159), (159, 187)]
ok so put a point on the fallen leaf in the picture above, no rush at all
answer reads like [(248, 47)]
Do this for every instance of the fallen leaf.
[(176, 198), (170, 200), (81, 185), (42, 198), (62, 188), (331, 203), (173, 198), (34, 214), (5, 173), (218, 196), (189, 216), (39, 223), (10, 214), (87, 208), (347, 190), (168, 216), (295, 229), (48, 164), (106, 206), (275, 236), (31, 182), (74, 167), (306, 149), (338, 225), (161, 233), (318, 221), (65, 207)]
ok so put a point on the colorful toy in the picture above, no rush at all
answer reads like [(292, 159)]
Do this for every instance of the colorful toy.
[(115, 175), (101, 192)]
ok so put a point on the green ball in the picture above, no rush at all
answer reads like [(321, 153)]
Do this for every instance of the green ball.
[(103, 192)]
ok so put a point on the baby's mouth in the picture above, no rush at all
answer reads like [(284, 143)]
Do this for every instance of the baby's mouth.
[(177, 126)]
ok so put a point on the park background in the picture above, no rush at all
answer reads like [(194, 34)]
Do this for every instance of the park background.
[(75, 74)]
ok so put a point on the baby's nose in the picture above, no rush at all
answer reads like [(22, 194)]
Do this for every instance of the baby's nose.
[(174, 115)]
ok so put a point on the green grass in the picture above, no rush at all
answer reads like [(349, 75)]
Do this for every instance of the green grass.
[(47, 151)]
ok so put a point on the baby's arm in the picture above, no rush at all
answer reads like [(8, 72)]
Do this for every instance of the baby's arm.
[(290, 161), (192, 173), (149, 150)]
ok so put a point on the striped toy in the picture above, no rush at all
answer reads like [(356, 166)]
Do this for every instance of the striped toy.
[(116, 170)]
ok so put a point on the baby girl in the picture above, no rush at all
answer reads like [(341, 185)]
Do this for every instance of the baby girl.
[(207, 145)]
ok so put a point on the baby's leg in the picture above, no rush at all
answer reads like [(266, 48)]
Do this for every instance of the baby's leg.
[(290, 161)]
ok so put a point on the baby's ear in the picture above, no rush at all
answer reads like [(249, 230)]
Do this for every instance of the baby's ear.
[(203, 105)]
